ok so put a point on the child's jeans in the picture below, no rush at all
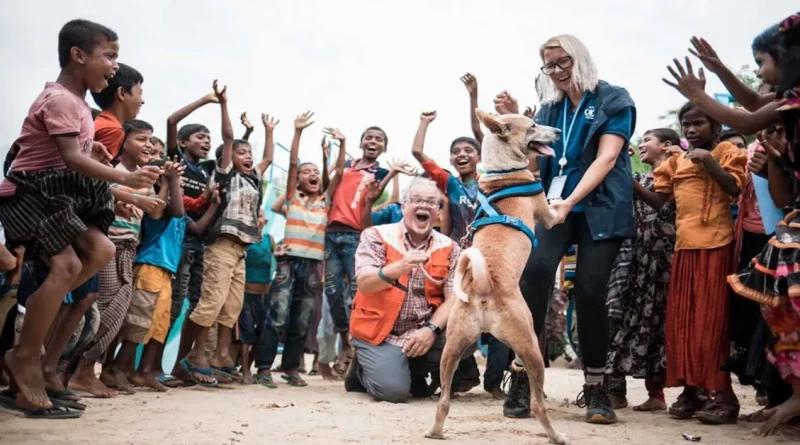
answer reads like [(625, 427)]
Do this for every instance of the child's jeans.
[(291, 307), (188, 281), (222, 294), (340, 282), (326, 336)]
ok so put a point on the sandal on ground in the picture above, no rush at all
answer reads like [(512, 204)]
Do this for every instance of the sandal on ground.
[(228, 371), (66, 398), (294, 380), (204, 371), (171, 381), (58, 411), (718, 413), (265, 380), (685, 407)]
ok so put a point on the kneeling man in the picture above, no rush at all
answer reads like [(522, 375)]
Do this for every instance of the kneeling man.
[(404, 296)]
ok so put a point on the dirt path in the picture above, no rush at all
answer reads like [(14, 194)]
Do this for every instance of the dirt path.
[(324, 414)]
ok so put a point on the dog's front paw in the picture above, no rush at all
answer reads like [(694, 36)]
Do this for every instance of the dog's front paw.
[(434, 435), (560, 438)]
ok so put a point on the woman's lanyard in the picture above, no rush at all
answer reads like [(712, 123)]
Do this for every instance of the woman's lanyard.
[(567, 132)]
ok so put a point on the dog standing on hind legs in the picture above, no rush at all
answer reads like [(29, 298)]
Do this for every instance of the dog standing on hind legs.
[(487, 274)]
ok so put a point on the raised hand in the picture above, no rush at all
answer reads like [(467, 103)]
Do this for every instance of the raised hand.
[(470, 82), (703, 51), (174, 169), (401, 166), (685, 80), (143, 178), (428, 116), (220, 94), (373, 191), (303, 121), (246, 122), (774, 143), (124, 210), (326, 147), (269, 121), (334, 133), (504, 103), (529, 112)]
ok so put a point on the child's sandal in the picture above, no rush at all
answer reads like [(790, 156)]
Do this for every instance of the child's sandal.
[(294, 380), (265, 380)]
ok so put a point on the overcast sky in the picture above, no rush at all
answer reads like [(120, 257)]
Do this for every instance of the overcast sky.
[(361, 63)]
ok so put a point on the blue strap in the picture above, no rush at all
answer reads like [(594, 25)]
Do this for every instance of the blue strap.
[(508, 221), (529, 189), (487, 214)]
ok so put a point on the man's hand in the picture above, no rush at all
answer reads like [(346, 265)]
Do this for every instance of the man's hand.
[(686, 82), (419, 342), (471, 82), (100, 153), (246, 122), (703, 51), (699, 155), (269, 122), (143, 178), (505, 104), (413, 259), (334, 133), (303, 121), (428, 116), (220, 94)]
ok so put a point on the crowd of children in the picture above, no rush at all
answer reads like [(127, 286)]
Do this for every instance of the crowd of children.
[(110, 232)]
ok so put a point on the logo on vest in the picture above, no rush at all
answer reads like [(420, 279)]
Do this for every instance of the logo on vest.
[(589, 113)]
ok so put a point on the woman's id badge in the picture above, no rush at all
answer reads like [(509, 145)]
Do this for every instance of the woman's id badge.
[(557, 187)]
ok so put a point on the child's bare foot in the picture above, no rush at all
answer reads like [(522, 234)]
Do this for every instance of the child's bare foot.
[(326, 372), (781, 414), (122, 383), (84, 380), (25, 376), (651, 405), (52, 380), (107, 378), (147, 380), (247, 377)]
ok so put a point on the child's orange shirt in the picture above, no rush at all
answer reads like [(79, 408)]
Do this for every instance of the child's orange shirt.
[(703, 218)]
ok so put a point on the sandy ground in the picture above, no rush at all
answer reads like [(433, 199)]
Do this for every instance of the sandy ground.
[(323, 413)]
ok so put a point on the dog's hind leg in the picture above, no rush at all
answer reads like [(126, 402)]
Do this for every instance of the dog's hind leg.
[(516, 330), (462, 332)]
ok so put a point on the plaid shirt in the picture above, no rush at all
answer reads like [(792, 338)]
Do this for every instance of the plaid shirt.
[(371, 255)]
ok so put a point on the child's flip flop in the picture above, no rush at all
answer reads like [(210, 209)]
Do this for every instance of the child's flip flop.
[(229, 371), (66, 398), (265, 380), (204, 371), (173, 382), (8, 401), (294, 380)]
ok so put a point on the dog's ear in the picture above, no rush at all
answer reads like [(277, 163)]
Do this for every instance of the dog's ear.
[(493, 123)]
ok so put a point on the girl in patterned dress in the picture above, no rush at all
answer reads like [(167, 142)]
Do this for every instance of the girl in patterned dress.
[(637, 304)]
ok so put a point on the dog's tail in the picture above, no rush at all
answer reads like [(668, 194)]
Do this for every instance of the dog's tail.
[(471, 275)]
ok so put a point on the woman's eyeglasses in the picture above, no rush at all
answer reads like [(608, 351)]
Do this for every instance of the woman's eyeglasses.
[(564, 63)]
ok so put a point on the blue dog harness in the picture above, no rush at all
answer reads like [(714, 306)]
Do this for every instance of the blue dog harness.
[(487, 214)]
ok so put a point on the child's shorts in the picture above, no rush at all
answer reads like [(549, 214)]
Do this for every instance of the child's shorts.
[(52, 207), (222, 293), (148, 314), (34, 274)]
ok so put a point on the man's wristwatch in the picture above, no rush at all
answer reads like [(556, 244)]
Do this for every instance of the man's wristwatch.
[(436, 329)]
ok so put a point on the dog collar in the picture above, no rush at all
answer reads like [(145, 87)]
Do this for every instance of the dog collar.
[(505, 172)]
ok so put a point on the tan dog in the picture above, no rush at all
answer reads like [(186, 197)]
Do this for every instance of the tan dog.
[(487, 274)]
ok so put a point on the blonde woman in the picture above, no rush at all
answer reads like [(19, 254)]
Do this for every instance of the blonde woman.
[(589, 186)]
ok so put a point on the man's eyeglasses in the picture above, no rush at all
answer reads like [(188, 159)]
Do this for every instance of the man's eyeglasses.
[(431, 203), (564, 63)]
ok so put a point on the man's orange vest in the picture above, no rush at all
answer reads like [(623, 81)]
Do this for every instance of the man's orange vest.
[(374, 314)]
